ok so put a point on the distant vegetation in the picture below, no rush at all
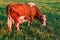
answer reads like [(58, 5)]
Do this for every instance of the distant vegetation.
[(51, 8)]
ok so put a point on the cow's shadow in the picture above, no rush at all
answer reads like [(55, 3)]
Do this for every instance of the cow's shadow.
[(3, 14)]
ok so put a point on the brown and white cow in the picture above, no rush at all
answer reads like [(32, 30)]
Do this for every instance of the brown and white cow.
[(24, 12)]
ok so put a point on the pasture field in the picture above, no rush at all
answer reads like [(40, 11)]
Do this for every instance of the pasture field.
[(37, 32)]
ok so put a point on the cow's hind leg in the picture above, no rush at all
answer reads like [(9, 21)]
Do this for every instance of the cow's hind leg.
[(16, 24), (9, 23)]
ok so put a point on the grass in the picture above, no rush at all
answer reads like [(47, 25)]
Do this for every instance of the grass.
[(37, 32)]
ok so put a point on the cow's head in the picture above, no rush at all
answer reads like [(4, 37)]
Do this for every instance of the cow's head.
[(43, 20)]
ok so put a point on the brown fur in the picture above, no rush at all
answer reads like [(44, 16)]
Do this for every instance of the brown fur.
[(15, 10)]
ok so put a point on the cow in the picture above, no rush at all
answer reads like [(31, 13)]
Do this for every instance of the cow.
[(23, 12)]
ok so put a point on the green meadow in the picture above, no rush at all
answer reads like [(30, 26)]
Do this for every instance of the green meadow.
[(49, 8)]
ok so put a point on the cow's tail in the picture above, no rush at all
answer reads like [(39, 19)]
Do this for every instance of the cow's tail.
[(7, 10)]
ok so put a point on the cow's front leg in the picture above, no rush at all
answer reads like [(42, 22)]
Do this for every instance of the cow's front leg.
[(31, 20), (16, 24), (28, 22)]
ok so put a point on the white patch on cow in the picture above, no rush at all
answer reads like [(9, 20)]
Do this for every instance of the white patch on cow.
[(21, 19), (31, 4), (44, 17)]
